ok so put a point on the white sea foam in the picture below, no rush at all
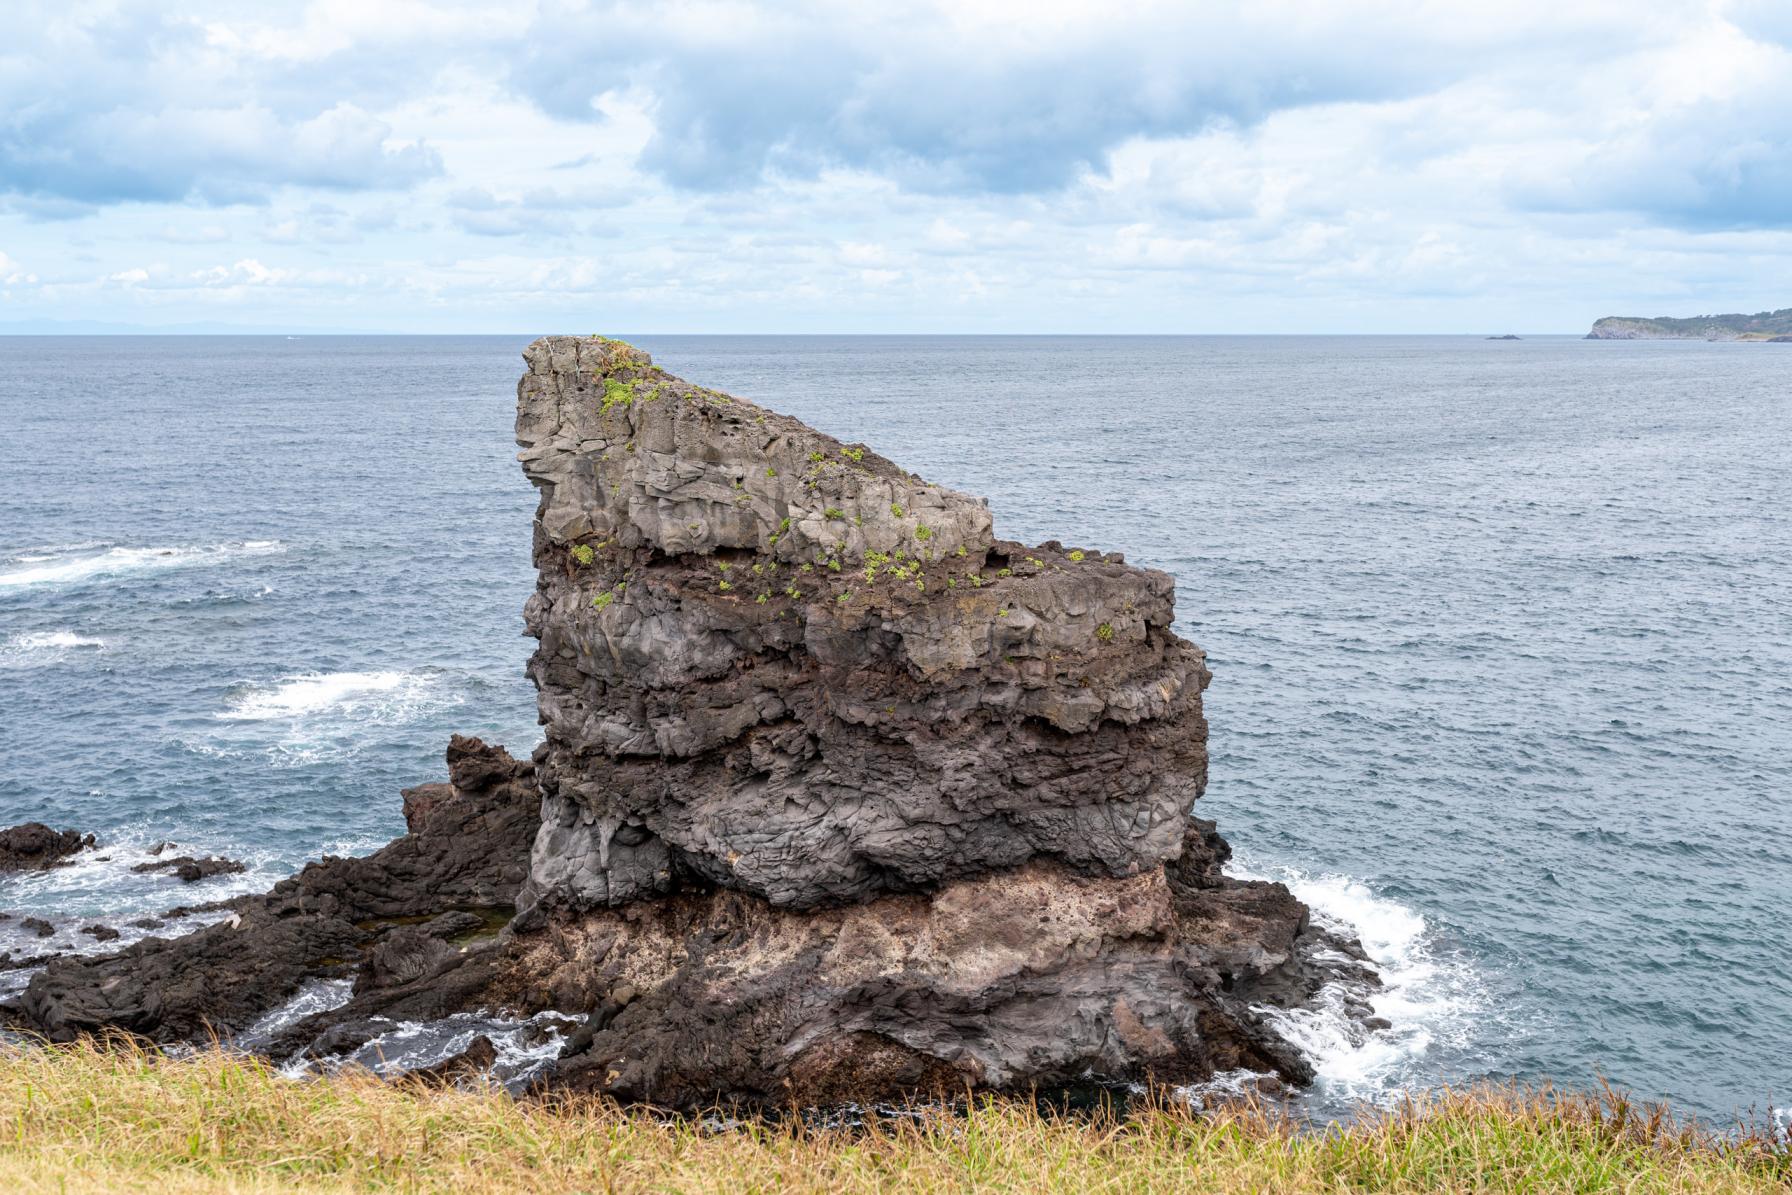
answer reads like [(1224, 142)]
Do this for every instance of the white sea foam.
[(50, 642), (81, 564), (375, 693), (1432, 999), (314, 996), (523, 1046)]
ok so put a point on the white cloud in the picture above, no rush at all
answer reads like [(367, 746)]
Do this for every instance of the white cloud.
[(14, 274), (912, 163)]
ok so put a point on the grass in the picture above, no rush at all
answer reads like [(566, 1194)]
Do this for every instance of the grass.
[(83, 1119)]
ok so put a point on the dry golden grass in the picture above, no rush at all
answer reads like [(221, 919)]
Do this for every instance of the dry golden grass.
[(84, 1119)]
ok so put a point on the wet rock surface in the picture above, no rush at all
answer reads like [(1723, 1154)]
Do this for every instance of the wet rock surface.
[(33, 846), (187, 869), (329, 920)]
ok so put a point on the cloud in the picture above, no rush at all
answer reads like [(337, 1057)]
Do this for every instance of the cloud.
[(988, 96), (14, 274), (981, 164), (542, 210), (1696, 137), (102, 105)]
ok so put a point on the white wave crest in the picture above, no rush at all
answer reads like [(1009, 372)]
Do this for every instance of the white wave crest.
[(68, 568), (53, 641), (1431, 998), (380, 696)]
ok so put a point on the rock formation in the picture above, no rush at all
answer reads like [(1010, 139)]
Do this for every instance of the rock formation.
[(455, 874), (841, 797), (849, 796), (33, 846), (779, 664)]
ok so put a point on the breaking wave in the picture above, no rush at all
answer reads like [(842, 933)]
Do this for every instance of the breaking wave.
[(78, 564), (1434, 999), (54, 641), (379, 695)]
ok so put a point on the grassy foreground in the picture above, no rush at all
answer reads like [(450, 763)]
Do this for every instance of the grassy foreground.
[(82, 1119)]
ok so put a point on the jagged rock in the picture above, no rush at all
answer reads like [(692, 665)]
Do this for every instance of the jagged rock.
[(101, 933), (38, 926), (780, 664), (1034, 976), (189, 869), (843, 797), (468, 857), (19, 962), (33, 846)]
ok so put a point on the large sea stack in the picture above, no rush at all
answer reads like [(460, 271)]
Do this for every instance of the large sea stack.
[(844, 795), (841, 798)]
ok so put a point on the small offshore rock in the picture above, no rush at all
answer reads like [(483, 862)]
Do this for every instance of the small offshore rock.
[(189, 869), (33, 846), (101, 933), (38, 926)]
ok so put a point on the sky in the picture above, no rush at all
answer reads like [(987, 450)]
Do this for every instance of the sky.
[(966, 166)]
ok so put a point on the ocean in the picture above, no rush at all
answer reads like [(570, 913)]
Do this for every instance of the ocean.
[(1501, 634)]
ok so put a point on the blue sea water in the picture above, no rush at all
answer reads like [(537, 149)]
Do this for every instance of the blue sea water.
[(1501, 632)]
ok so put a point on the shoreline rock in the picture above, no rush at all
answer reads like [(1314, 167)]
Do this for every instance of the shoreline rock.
[(33, 846), (327, 921), (189, 870), (850, 797)]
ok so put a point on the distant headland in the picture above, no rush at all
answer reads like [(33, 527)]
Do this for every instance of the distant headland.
[(1773, 326)]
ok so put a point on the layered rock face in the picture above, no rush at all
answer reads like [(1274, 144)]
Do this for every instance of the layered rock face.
[(780, 664), (844, 797)]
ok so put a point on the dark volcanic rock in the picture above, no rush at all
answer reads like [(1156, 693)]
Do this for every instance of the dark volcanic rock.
[(468, 857), (1035, 976), (843, 797), (38, 926), (101, 933), (780, 664), (189, 869), (33, 846), (19, 962)]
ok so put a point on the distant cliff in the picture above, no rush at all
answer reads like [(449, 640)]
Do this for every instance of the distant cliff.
[(1765, 325)]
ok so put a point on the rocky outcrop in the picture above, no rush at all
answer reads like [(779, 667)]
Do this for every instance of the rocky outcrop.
[(842, 795), (1032, 976), (465, 864), (189, 870), (33, 846), (781, 664)]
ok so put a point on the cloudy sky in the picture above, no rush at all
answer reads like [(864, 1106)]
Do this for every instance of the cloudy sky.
[(968, 165)]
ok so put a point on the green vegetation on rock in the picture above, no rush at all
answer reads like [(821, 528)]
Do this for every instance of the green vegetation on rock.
[(1763, 325)]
